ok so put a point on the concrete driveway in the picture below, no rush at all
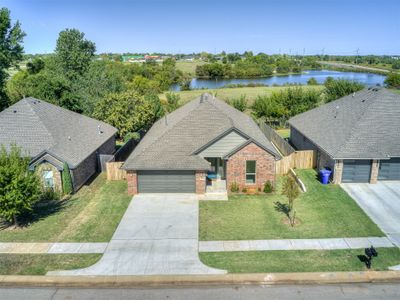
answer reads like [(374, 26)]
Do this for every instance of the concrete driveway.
[(158, 234), (381, 202)]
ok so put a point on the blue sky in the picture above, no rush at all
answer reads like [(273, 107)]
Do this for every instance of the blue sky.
[(339, 27)]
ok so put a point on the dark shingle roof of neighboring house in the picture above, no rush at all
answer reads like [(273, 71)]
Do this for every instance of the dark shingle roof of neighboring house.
[(39, 127), (172, 141), (364, 125)]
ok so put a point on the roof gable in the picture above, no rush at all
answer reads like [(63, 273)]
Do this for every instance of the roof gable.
[(362, 125), (174, 140), (38, 126)]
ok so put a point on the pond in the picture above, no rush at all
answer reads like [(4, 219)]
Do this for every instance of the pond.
[(369, 79)]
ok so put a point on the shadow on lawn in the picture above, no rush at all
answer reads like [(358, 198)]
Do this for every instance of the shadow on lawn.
[(282, 207), (40, 211)]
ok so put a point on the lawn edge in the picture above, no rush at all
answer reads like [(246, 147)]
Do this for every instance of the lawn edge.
[(201, 280)]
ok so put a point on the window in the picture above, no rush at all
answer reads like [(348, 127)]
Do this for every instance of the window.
[(250, 171), (48, 180)]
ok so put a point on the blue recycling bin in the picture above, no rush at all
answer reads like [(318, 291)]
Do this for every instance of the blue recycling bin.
[(324, 175)]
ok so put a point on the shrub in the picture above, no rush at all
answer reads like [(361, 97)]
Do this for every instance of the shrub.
[(239, 103), (132, 135), (19, 187), (234, 187), (335, 89), (244, 190), (268, 187), (66, 180), (393, 80), (312, 81), (49, 195)]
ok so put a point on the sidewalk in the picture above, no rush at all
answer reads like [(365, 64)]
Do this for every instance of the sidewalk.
[(295, 244), (52, 248)]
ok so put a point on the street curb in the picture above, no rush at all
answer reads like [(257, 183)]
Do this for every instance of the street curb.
[(200, 280)]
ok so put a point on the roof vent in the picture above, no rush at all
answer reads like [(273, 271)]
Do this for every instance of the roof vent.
[(336, 111), (202, 98), (69, 138), (354, 94), (14, 111), (99, 129)]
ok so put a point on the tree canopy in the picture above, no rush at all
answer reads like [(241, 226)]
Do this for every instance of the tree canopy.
[(11, 50)]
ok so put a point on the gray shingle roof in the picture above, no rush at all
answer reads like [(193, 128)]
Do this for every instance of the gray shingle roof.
[(37, 127), (171, 142), (362, 125)]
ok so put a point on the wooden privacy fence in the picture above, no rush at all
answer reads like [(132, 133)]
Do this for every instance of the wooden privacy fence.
[(283, 146), (306, 159), (114, 171)]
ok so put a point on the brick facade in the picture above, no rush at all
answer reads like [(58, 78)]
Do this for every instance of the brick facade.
[(200, 182), (56, 174), (236, 167), (338, 171), (131, 178)]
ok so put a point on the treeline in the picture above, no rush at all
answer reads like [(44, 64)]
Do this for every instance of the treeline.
[(280, 106), (123, 95), (372, 60), (260, 65)]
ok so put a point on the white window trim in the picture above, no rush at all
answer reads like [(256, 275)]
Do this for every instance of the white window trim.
[(255, 173)]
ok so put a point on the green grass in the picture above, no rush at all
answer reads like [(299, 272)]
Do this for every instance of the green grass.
[(251, 93), (299, 261), (285, 133), (324, 211), (91, 215), (188, 67), (40, 264)]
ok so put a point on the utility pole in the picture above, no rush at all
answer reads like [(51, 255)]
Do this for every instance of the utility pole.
[(357, 52), (323, 51)]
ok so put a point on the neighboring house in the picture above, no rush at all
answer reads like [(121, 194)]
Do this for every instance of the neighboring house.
[(357, 136), (52, 136), (205, 137)]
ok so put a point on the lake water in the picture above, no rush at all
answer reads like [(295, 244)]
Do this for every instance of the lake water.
[(367, 79)]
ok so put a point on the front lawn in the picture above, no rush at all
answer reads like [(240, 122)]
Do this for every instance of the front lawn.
[(322, 212), (40, 264), (91, 215), (299, 261)]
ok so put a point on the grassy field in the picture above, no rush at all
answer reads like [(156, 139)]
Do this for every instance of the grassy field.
[(324, 211), (188, 67), (40, 264), (299, 261), (285, 133), (251, 93), (91, 215), (395, 91)]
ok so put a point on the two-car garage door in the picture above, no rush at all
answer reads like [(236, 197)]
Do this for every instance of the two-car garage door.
[(360, 170), (166, 182)]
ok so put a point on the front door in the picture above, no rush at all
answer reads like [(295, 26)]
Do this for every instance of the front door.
[(217, 166)]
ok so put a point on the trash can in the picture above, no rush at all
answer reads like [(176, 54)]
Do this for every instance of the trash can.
[(324, 175)]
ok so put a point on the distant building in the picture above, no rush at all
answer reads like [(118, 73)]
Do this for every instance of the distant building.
[(140, 58)]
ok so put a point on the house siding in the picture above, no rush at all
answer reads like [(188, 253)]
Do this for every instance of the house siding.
[(236, 167), (223, 146), (299, 141), (90, 165)]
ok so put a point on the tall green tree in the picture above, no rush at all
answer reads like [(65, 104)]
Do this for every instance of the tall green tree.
[(335, 89), (66, 180), (11, 50), (393, 80), (19, 187), (127, 111), (73, 52)]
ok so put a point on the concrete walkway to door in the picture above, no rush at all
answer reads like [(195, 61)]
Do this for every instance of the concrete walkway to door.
[(158, 235), (381, 202)]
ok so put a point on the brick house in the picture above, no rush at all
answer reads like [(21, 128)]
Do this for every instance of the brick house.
[(356, 136), (51, 136), (201, 143)]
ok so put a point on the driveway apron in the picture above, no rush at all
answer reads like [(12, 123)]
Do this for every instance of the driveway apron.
[(158, 235), (381, 202)]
